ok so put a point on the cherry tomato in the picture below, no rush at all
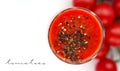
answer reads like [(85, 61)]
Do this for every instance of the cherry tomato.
[(106, 13), (104, 51), (85, 3), (113, 34), (116, 6), (106, 65)]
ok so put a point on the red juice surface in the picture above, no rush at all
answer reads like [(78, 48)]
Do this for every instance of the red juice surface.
[(75, 35)]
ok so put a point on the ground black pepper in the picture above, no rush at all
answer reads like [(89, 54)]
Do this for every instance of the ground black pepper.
[(73, 41)]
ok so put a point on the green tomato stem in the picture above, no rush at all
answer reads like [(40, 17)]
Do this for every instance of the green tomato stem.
[(119, 54), (119, 50), (99, 1)]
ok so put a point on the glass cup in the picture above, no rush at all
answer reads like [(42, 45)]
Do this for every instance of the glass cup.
[(76, 35)]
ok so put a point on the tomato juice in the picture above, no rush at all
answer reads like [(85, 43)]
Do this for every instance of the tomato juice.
[(75, 35)]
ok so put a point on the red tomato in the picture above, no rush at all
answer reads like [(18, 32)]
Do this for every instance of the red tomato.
[(116, 6), (113, 34), (85, 3), (106, 65), (106, 13), (104, 51)]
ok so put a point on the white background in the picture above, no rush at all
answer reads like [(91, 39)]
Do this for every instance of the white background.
[(24, 28)]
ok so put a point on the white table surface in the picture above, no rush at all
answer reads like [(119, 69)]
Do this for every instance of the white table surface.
[(23, 35)]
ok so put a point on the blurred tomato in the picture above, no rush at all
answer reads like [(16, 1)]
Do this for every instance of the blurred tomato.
[(106, 13), (106, 65), (116, 6), (104, 51), (85, 3), (113, 34)]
